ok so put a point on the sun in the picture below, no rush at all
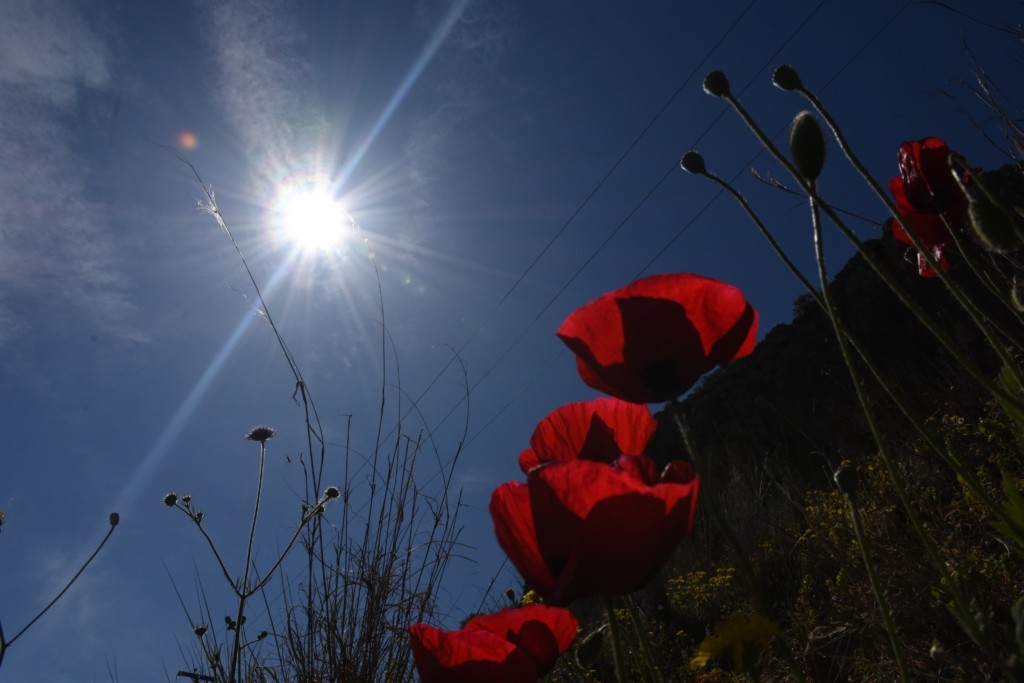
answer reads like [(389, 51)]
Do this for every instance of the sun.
[(309, 217)]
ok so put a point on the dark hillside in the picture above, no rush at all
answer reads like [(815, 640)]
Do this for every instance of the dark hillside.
[(789, 409)]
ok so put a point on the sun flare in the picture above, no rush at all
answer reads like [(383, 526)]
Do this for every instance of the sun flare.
[(309, 217)]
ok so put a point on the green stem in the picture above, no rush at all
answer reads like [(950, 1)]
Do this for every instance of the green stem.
[(4, 644), (965, 473), (1008, 400), (244, 592), (826, 296), (883, 604), (616, 634), (742, 557), (984, 323), (652, 671)]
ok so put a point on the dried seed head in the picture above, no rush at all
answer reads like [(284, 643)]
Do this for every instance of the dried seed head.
[(170, 499), (807, 145), (199, 631), (716, 83), (261, 433), (186, 499), (693, 162), (786, 78)]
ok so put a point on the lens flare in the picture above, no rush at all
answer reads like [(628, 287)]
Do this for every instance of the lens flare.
[(187, 140), (308, 216)]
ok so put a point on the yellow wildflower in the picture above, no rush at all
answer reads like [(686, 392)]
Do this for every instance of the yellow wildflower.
[(733, 637)]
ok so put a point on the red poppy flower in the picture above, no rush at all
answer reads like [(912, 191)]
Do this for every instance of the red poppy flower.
[(925, 191), (512, 646), (580, 528), (602, 430), (653, 339)]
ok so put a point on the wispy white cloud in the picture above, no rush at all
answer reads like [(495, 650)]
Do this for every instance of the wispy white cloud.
[(54, 255), (259, 73)]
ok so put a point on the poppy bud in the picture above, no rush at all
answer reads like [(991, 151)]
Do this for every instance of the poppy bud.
[(993, 224), (590, 647), (847, 479), (115, 519), (807, 145), (199, 631), (716, 83), (1017, 293), (786, 78), (170, 499), (332, 492), (693, 162), (186, 499)]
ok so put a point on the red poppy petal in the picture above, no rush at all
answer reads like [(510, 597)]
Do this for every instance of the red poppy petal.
[(542, 631), (529, 459), (600, 430), (653, 339), (640, 467), (468, 657), (605, 532), (514, 527)]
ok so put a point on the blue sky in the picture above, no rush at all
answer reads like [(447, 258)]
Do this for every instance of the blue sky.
[(462, 137)]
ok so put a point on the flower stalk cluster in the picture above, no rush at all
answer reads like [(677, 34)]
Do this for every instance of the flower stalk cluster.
[(243, 587), (935, 196)]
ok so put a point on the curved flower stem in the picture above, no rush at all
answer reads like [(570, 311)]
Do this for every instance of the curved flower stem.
[(779, 251), (984, 323), (826, 296), (616, 634), (244, 591), (1008, 400), (742, 558), (965, 473), (295, 536), (653, 673), (4, 643), (876, 588), (968, 620)]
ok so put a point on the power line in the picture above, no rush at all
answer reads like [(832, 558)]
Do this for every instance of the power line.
[(643, 200), (675, 237), (572, 217)]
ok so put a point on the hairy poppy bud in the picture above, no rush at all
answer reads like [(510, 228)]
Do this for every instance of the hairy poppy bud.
[(786, 78), (996, 226), (115, 519), (807, 145), (716, 83), (693, 162), (1017, 293), (332, 492), (170, 499), (847, 479), (590, 647)]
